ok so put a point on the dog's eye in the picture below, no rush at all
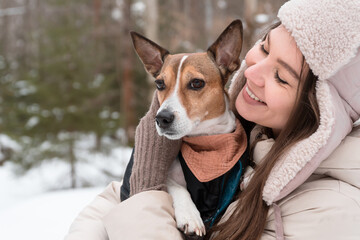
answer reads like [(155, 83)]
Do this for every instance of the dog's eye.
[(160, 84), (196, 84)]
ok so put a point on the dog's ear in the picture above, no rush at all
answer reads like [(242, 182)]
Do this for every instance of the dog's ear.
[(151, 54), (225, 51)]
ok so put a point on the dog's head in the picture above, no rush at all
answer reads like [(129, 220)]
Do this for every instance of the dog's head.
[(191, 85)]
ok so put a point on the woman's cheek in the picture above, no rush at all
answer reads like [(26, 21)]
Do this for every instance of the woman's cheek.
[(239, 103)]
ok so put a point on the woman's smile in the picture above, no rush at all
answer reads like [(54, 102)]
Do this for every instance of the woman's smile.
[(250, 97)]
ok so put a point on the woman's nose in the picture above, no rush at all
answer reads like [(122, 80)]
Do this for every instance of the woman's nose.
[(256, 74), (256, 71)]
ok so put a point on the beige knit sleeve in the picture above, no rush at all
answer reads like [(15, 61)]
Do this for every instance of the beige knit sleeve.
[(153, 154)]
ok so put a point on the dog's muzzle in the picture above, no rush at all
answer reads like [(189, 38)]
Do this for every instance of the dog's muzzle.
[(164, 119)]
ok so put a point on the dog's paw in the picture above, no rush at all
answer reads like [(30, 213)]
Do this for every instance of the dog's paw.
[(188, 219)]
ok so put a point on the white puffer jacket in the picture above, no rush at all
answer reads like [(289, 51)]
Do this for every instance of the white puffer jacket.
[(326, 206)]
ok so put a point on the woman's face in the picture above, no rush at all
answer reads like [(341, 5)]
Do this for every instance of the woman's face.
[(272, 79)]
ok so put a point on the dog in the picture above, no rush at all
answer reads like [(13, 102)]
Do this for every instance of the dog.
[(193, 102)]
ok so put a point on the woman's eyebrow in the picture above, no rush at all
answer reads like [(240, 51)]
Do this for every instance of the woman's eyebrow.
[(284, 64), (289, 68)]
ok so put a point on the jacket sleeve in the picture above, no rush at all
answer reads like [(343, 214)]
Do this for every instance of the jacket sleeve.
[(88, 224), (146, 215), (319, 212)]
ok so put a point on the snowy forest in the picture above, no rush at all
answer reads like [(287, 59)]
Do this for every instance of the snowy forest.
[(72, 89), (68, 71)]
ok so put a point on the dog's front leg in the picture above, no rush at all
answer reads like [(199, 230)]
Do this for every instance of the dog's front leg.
[(187, 216)]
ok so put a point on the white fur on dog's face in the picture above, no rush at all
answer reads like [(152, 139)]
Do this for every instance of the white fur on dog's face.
[(181, 125), (202, 122)]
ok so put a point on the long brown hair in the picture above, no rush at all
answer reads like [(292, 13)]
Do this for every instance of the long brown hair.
[(247, 221)]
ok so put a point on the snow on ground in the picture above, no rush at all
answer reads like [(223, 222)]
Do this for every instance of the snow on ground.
[(39, 205), (44, 216)]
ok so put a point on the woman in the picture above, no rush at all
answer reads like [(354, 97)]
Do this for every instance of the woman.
[(301, 85)]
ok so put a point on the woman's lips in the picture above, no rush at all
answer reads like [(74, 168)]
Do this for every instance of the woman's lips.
[(250, 97)]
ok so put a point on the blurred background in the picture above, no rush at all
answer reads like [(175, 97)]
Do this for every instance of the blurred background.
[(69, 74), (72, 91)]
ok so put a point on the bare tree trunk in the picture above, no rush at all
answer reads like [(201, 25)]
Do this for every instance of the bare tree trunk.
[(151, 31), (40, 7), (126, 78), (98, 143), (209, 15), (187, 20), (152, 12), (4, 31), (24, 53), (96, 5), (250, 8), (72, 163)]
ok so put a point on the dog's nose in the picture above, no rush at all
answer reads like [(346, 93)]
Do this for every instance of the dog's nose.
[(164, 118)]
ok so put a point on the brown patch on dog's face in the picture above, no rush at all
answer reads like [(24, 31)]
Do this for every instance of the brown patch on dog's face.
[(169, 74), (202, 104), (207, 102)]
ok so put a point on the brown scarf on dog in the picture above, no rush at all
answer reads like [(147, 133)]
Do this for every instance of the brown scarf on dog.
[(209, 157)]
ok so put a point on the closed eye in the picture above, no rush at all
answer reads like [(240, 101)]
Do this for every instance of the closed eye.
[(279, 80), (262, 47)]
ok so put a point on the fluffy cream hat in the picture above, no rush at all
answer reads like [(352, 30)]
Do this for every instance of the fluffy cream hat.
[(327, 32)]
